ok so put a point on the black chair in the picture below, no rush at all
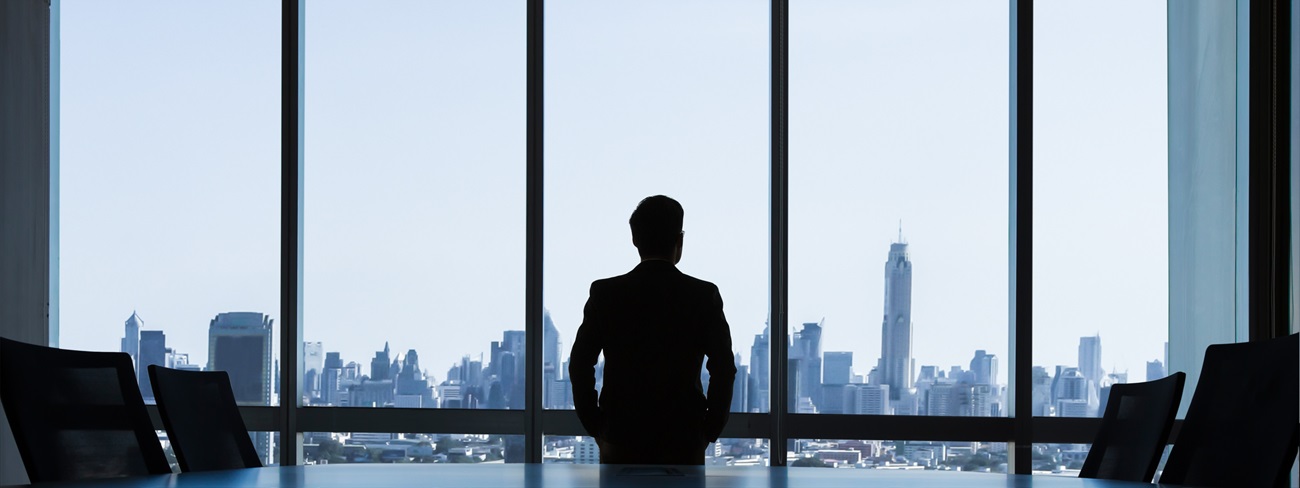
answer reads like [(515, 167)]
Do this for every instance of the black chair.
[(1134, 430), (202, 420), (1247, 398), (77, 415)]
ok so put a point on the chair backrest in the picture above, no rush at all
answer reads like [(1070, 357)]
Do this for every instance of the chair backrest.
[(1246, 398), (1134, 430), (77, 415), (202, 420)]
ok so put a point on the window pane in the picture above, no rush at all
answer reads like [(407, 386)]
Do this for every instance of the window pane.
[(898, 158), (646, 98), (724, 452), (413, 273), (169, 186), (1101, 211), (979, 457), (393, 448)]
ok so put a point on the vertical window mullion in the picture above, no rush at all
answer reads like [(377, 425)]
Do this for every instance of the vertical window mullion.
[(291, 97), (779, 228), (533, 261), (1021, 231)]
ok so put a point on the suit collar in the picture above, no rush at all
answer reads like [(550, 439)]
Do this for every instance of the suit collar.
[(655, 265)]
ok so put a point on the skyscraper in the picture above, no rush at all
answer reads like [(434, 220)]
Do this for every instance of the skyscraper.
[(759, 357), (131, 338), (1090, 359), (896, 334), (985, 367), (552, 347), (381, 364), (313, 362), (1155, 370), (838, 368), (552, 373), (807, 349), (153, 350), (239, 343)]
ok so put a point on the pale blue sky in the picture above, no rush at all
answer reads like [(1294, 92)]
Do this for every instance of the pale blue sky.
[(415, 168)]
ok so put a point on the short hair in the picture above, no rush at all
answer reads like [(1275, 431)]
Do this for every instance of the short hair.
[(656, 223)]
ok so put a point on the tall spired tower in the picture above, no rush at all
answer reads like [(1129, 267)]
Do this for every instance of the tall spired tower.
[(896, 344)]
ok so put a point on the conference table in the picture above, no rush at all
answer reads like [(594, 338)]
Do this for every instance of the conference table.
[(570, 475)]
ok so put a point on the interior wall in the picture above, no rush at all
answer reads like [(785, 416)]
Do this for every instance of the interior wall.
[(24, 188)]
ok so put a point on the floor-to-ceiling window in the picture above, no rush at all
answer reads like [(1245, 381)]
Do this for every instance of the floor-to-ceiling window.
[(898, 206), (169, 184), (415, 200), (649, 98)]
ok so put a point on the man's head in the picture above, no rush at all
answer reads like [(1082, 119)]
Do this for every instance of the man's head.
[(657, 228)]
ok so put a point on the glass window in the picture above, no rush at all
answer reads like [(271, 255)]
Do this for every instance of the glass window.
[(394, 448), (662, 97), (413, 264), (1101, 204), (724, 452), (898, 456), (898, 207), (169, 186)]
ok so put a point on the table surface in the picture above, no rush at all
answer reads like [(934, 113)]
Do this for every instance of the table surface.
[(568, 475)]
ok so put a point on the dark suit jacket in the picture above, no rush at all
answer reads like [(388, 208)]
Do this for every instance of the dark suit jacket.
[(655, 326)]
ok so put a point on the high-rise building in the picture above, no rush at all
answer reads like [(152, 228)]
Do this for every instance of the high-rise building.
[(759, 357), (552, 372), (153, 350), (381, 364), (1155, 370), (331, 378), (1073, 394), (313, 363), (807, 348), (896, 330), (837, 368), (985, 368), (239, 343), (872, 400), (552, 346), (1090, 359), (131, 338), (512, 377), (1041, 396), (740, 388)]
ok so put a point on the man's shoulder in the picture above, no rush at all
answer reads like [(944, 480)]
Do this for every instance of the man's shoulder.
[(698, 283)]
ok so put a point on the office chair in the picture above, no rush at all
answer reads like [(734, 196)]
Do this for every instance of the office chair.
[(1247, 397), (202, 420), (77, 415), (1134, 430)]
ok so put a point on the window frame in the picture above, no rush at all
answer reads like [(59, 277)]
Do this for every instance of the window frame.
[(1268, 203)]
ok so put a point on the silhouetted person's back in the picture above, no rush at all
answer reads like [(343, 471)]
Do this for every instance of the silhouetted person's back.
[(655, 325)]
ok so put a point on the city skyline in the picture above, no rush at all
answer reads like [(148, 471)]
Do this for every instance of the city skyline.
[(892, 386)]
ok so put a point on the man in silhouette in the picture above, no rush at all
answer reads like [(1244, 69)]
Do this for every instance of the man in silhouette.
[(655, 325)]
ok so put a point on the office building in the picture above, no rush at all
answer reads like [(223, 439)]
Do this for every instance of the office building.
[(838, 368), (1090, 359), (239, 343), (1155, 370), (896, 330), (153, 351), (985, 368), (131, 338), (313, 364)]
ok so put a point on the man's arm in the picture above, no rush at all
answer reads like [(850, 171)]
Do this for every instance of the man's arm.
[(722, 370), (582, 362)]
